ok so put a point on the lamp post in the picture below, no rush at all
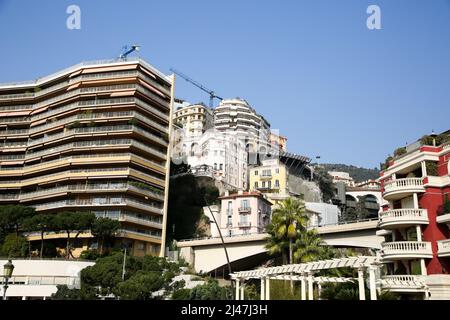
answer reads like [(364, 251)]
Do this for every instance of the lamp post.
[(7, 273)]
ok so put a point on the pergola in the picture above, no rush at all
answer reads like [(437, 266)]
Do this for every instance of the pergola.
[(304, 272)]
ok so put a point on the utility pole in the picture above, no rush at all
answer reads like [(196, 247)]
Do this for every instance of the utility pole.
[(224, 246), (124, 261)]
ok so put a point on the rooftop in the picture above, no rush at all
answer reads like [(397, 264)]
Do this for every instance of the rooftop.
[(97, 63)]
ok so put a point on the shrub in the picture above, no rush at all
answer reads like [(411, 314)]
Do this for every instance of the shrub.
[(14, 246), (399, 151), (446, 204), (431, 168), (181, 294)]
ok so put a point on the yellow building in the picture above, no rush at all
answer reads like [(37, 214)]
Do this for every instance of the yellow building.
[(279, 178), (93, 137)]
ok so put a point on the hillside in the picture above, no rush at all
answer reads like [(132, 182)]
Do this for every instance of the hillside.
[(357, 173)]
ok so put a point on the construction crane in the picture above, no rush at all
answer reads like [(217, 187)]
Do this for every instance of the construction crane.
[(211, 93), (127, 51)]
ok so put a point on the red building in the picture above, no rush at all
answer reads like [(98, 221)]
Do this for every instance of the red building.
[(416, 221)]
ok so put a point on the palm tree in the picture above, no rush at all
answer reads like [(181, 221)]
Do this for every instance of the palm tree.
[(289, 219), (309, 247)]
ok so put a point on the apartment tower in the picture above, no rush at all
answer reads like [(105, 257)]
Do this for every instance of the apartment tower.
[(93, 137)]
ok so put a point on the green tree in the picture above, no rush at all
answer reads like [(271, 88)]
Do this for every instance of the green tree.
[(73, 222), (14, 246), (289, 219), (210, 291), (12, 218), (140, 286), (41, 223), (325, 182), (104, 229), (309, 247), (181, 294)]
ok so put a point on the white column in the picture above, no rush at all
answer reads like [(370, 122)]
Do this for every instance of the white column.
[(237, 290), (319, 290), (372, 284), (310, 287), (415, 201), (419, 233), (303, 281), (267, 289), (263, 288), (423, 267), (424, 169), (362, 290), (242, 292)]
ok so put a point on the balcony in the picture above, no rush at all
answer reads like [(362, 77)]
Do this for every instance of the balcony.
[(444, 248), (444, 218), (371, 205), (265, 176), (245, 210), (400, 188), (403, 283), (399, 250), (244, 224), (400, 218)]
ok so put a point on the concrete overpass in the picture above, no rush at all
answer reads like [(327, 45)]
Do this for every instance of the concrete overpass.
[(247, 251)]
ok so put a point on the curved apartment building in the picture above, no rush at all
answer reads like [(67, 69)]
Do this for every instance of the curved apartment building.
[(93, 137), (415, 222)]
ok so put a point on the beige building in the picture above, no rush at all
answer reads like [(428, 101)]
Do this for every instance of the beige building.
[(93, 137), (244, 213), (278, 142), (194, 118)]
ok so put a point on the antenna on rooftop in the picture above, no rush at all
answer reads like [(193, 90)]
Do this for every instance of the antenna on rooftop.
[(127, 50)]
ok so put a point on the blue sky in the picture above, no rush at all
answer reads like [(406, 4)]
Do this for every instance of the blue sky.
[(312, 68)]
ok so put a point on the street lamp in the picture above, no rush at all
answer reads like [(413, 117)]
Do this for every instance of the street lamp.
[(7, 273)]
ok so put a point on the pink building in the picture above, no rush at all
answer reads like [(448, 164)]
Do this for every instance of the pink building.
[(244, 213)]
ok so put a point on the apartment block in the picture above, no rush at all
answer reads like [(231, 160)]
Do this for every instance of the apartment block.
[(281, 177), (195, 119), (416, 220), (93, 137), (237, 116), (244, 213)]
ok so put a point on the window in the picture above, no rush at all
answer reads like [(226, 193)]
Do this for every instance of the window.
[(215, 166), (263, 184), (277, 170), (141, 246), (269, 183), (256, 184), (221, 166), (256, 172), (277, 183), (244, 204)]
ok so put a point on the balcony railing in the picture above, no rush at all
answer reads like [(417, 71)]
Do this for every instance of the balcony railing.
[(403, 185), (245, 224), (403, 283), (398, 217), (406, 249), (245, 209), (371, 205), (444, 248)]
